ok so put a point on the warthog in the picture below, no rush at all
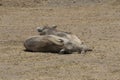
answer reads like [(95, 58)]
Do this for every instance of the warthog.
[(53, 40), (53, 43)]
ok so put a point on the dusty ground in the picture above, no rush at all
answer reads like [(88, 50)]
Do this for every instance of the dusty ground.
[(97, 25)]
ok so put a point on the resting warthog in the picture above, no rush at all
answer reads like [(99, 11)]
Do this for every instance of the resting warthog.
[(53, 43), (52, 40)]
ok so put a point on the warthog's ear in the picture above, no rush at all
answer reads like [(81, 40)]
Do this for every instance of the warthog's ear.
[(39, 29), (54, 26)]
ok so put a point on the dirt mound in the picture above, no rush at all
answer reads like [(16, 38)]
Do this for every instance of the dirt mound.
[(37, 3)]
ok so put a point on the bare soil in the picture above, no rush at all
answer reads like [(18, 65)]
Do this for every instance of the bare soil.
[(96, 23)]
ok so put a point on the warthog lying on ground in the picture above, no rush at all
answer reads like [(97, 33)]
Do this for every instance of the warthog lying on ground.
[(52, 40), (53, 43)]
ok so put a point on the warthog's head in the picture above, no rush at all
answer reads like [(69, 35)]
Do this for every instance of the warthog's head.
[(69, 48), (46, 30)]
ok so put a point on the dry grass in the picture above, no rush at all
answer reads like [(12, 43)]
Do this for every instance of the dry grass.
[(98, 26)]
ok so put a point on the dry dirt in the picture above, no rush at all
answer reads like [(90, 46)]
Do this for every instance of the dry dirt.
[(97, 25)]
